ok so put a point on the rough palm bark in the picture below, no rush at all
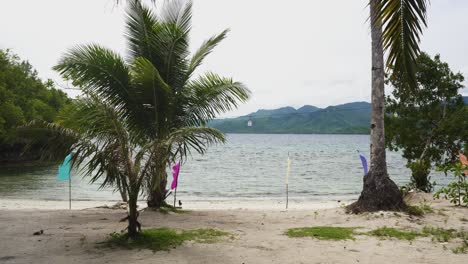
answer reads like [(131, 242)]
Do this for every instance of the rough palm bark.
[(133, 225), (157, 197), (157, 183), (379, 191)]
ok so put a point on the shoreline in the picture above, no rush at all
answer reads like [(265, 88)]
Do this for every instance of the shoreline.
[(212, 204)]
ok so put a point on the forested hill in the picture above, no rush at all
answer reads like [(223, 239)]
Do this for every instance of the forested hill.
[(351, 118), (23, 98)]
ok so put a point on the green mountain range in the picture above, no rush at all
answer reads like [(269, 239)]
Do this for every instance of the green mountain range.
[(351, 118)]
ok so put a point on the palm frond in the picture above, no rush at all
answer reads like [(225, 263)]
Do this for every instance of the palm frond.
[(205, 49), (156, 95), (103, 73), (210, 95), (98, 70), (179, 13), (163, 41), (173, 34), (139, 29), (100, 121), (403, 22), (57, 141), (182, 141)]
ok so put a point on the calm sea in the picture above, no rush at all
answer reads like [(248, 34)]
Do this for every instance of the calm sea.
[(248, 168)]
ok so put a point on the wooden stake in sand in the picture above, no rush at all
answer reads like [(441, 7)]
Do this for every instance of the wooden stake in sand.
[(287, 180)]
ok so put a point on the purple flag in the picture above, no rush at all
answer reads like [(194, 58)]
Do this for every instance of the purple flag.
[(175, 175), (364, 163)]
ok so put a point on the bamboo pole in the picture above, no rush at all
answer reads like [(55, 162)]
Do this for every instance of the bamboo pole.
[(69, 192)]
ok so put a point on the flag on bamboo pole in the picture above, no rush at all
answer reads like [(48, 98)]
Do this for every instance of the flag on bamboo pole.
[(175, 175), (64, 169), (364, 163)]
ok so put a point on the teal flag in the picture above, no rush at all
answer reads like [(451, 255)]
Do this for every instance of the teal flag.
[(64, 169)]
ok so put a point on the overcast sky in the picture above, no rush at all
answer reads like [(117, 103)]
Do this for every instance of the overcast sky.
[(293, 52)]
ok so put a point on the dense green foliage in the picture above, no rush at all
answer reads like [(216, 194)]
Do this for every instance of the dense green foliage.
[(23, 96), (351, 118), (456, 191), (430, 123)]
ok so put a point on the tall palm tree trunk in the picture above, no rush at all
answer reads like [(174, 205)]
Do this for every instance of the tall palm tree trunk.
[(379, 191)]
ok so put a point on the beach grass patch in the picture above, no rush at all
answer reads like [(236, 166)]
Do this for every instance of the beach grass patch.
[(440, 234), (462, 249), (204, 235), (163, 238), (419, 210), (168, 209), (394, 233), (323, 232)]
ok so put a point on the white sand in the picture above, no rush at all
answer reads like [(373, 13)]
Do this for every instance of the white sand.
[(71, 237)]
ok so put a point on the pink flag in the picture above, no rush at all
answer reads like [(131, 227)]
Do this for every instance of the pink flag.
[(175, 175)]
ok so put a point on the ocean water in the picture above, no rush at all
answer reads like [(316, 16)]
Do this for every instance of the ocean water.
[(248, 169)]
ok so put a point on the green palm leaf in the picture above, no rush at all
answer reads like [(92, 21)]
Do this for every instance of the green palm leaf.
[(104, 73), (403, 22), (182, 141), (140, 32), (179, 13), (162, 40), (156, 95), (210, 95), (205, 49), (98, 69)]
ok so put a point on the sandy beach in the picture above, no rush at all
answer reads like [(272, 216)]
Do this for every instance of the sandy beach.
[(258, 236)]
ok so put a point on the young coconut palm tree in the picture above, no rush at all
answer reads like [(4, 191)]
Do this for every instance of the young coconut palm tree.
[(396, 26), (131, 121), (183, 102), (100, 130)]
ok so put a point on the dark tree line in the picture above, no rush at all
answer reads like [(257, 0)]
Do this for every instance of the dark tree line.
[(23, 98)]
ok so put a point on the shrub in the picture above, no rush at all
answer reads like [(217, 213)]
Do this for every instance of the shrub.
[(457, 191)]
